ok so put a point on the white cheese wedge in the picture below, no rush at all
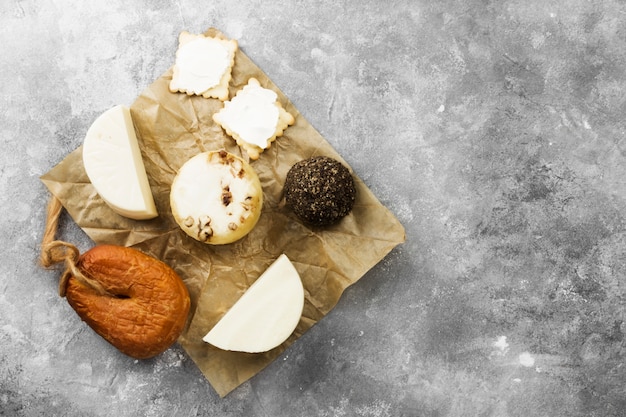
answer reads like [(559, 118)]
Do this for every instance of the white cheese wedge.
[(113, 163), (265, 315)]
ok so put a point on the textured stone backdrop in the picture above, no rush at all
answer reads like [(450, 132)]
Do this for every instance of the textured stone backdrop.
[(494, 130)]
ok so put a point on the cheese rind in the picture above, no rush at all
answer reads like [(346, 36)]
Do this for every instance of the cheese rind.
[(115, 167), (265, 315)]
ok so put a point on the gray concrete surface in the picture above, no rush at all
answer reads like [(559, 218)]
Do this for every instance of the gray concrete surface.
[(494, 130)]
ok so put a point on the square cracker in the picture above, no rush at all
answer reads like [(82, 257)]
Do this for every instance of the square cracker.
[(219, 91), (285, 119)]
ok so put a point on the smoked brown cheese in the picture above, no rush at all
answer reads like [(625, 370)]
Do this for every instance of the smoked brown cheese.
[(145, 307)]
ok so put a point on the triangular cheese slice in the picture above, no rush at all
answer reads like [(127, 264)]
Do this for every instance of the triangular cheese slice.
[(265, 315), (114, 166)]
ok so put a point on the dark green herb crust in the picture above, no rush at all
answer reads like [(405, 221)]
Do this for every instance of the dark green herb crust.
[(320, 190)]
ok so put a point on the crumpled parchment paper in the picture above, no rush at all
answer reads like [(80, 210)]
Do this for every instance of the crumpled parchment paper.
[(173, 127)]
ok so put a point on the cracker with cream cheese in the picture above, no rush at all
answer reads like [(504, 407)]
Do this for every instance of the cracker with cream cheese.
[(254, 118), (203, 65)]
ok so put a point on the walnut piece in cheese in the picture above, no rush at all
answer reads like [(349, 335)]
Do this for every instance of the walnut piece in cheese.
[(265, 315), (254, 118), (114, 165), (203, 65), (216, 197)]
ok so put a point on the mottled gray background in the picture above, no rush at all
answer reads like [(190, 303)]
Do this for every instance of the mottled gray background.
[(494, 130)]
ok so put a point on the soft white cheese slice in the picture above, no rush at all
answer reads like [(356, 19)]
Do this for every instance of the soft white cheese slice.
[(202, 63), (252, 114), (265, 315), (113, 163)]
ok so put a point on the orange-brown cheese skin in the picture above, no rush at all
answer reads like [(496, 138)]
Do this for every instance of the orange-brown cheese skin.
[(148, 304)]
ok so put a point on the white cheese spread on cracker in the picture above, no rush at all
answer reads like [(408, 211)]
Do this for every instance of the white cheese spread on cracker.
[(252, 114), (202, 63)]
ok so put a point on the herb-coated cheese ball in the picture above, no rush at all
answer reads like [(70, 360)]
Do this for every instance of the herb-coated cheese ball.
[(320, 190)]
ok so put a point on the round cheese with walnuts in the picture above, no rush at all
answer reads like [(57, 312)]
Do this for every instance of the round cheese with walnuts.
[(216, 197)]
